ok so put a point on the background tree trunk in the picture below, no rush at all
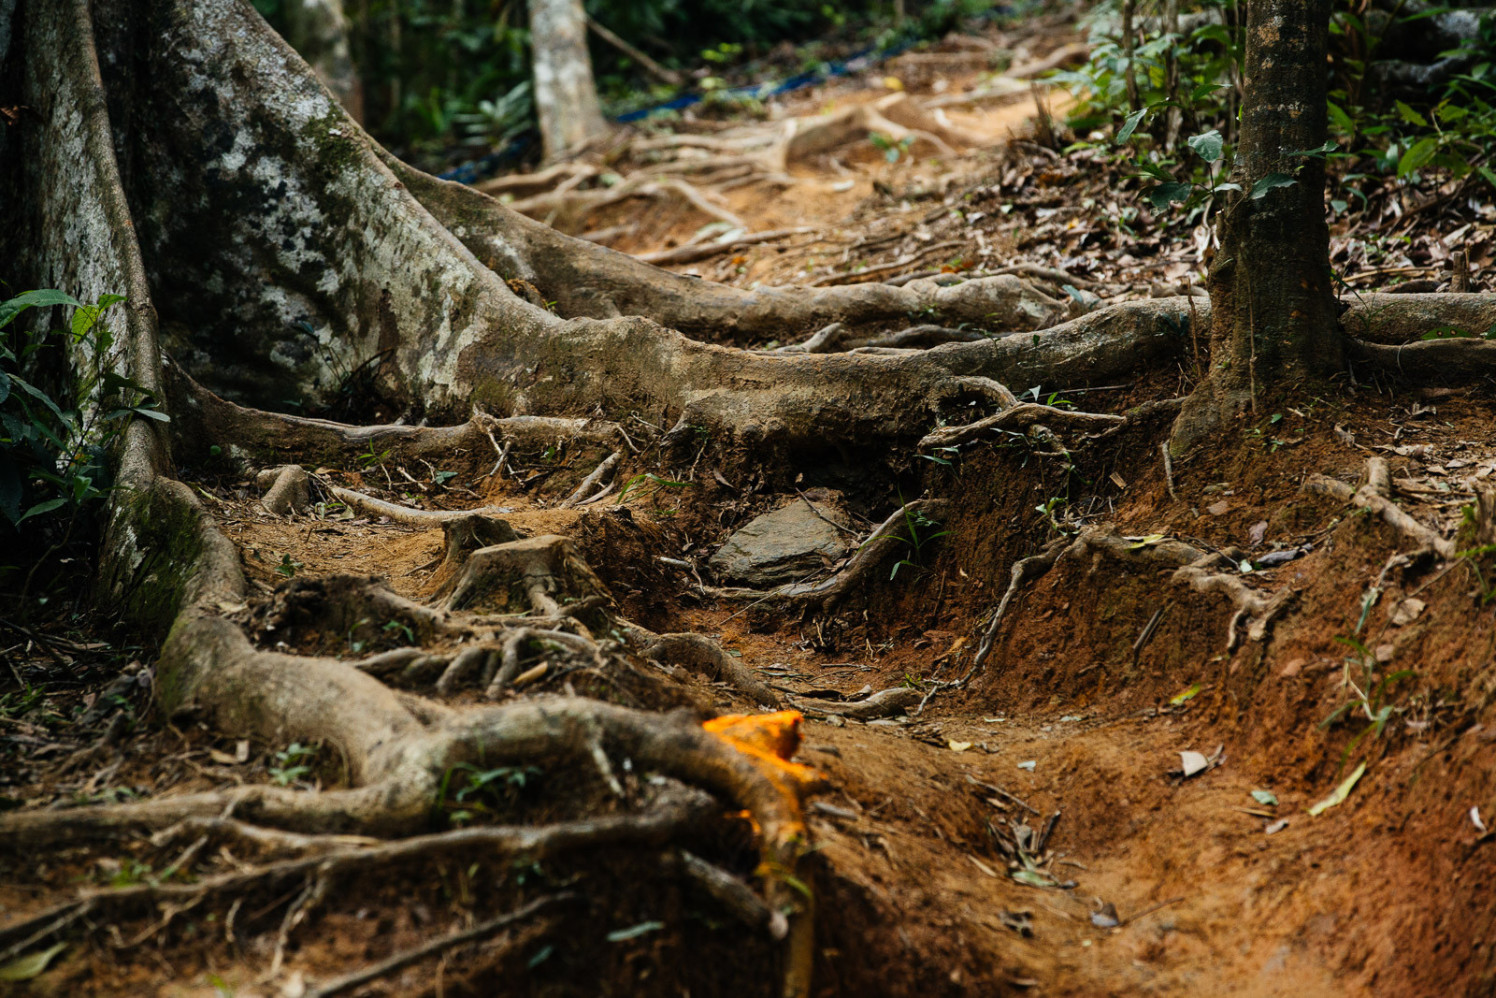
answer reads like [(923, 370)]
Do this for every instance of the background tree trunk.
[(565, 94), (1272, 304), (318, 30)]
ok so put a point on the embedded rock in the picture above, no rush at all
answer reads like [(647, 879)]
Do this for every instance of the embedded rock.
[(790, 544)]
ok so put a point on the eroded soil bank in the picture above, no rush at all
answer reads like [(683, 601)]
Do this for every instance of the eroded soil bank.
[(983, 842)]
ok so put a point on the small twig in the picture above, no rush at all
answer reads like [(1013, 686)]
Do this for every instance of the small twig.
[(1003, 793), (1043, 839), (1146, 635), (823, 516), (1147, 911), (404, 959), (647, 64)]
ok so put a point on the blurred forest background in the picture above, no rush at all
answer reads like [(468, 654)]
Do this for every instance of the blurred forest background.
[(442, 81)]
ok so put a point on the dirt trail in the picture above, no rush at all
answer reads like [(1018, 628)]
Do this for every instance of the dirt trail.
[(1231, 895), (1023, 833), (1068, 731), (1070, 728)]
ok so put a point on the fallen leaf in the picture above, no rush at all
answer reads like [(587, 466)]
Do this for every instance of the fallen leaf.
[(1407, 611), (1186, 696), (1033, 878), (1266, 797), (634, 931), (24, 968), (1106, 918), (1275, 558), (1340, 793), (1257, 533), (1218, 508), (1192, 763), (958, 746), (530, 675)]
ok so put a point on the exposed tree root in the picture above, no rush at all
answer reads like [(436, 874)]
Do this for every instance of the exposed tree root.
[(1021, 417), (694, 251), (406, 514), (1375, 496), (666, 820), (1400, 320), (701, 654), (1023, 570), (1192, 567), (753, 153), (884, 703), (837, 337), (1459, 358), (441, 298), (585, 491), (201, 419), (288, 489), (568, 209)]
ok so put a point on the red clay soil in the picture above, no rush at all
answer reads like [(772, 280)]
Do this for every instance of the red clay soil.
[(1217, 891)]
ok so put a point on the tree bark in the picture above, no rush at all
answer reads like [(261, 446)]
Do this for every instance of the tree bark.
[(565, 94), (1273, 307)]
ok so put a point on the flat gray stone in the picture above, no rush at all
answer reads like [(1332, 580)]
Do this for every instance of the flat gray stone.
[(788, 545)]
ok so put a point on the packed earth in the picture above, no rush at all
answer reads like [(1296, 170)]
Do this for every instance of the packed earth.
[(823, 613)]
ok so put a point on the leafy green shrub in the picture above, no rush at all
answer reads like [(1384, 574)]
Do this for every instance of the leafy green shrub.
[(1170, 102), (54, 445)]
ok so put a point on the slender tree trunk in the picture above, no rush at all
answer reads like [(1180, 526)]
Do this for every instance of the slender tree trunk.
[(565, 94), (1272, 305)]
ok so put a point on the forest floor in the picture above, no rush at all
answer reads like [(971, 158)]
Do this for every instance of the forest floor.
[(1031, 831)]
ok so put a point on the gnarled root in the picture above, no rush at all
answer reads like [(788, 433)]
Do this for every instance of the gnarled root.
[(201, 419), (329, 856), (287, 489), (1192, 567), (1375, 496), (1022, 417), (884, 703)]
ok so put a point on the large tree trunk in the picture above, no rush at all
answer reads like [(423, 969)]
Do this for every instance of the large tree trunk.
[(565, 94), (1272, 302)]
